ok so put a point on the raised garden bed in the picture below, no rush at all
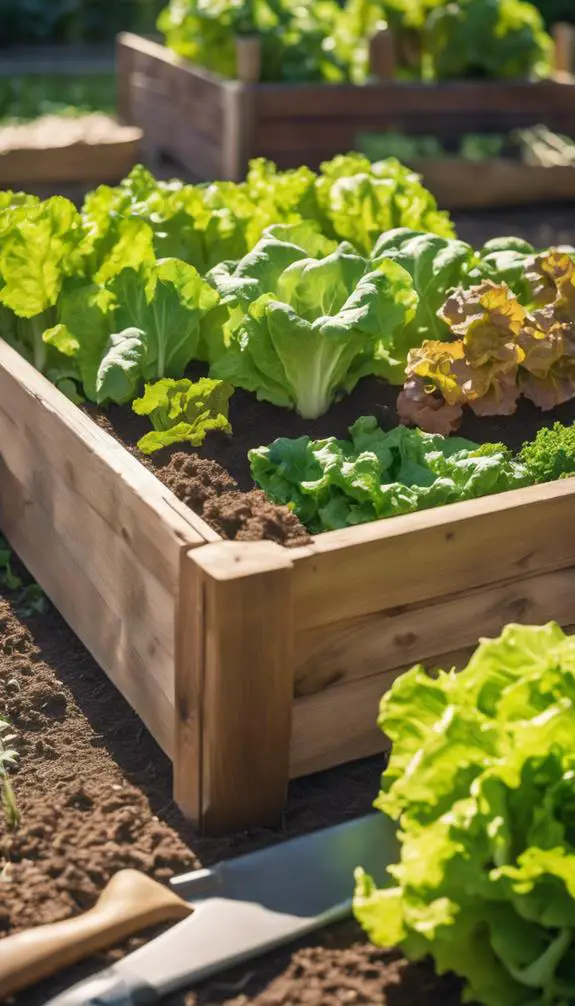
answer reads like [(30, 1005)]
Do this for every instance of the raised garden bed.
[(462, 185), (212, 126), (251, 663), (58, 149)]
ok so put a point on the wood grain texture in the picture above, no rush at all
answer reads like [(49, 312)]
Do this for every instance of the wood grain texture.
[(424, 556), (309, 101), (98, 533), (234, 685), (360, 647), (340, 724), (564, 38)]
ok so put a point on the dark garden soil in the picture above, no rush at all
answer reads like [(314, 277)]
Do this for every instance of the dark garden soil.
[(215, 480), (93, 792)]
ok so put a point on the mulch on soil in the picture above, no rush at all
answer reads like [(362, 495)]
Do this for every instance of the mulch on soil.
[(93, 792)]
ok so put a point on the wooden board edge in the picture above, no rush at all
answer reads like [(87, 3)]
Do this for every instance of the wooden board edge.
[(187, 526), (233, 685), (156, 50), (450, 514)]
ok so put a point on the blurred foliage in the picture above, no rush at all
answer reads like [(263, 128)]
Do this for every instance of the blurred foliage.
[(25, 98), (25, 22)]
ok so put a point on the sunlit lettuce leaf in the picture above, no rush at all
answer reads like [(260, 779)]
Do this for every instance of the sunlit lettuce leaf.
[(481, 778), (183, 411)]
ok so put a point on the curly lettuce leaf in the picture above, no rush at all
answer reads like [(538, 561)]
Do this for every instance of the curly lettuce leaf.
[(499, 352), (436, 265), (481, 778), (336, 483), (156, 326), (183, 411), (358, 201)]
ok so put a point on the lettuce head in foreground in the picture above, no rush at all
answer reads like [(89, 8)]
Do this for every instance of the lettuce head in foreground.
[(481, 780)]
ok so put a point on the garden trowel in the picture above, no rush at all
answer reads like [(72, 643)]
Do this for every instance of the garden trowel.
[(236, 911)]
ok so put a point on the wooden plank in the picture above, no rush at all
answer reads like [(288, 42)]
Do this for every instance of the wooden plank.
[(98, 532), (312, 138), (145, 49), (433, 554), (124, 68), (104, 630), (128, 496), (564, 38), (169, 129), (121, 574), (97, 162), (458, 184), (313, 101), (234, 685), (151, 97), (340, 724), (377, 643), (237, 139)]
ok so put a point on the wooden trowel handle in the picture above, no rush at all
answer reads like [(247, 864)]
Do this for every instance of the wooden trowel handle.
[(129, 903)]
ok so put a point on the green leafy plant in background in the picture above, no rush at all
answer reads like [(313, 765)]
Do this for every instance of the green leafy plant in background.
[(8, 578), (8, 757), (481, 780), (25, 98), (183, 411), (358, 201), (302, 330), (411, 149), (487, 38), (324, 41), (297, 40), (551, 455), (332, 483), (28, 598)]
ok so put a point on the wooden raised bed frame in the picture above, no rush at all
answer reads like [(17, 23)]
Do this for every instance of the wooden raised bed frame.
[(213, 126), (248, 662)]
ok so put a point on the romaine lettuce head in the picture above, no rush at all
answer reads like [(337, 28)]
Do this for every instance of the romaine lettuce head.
[(142, 325), (481, 779), (301, 330)]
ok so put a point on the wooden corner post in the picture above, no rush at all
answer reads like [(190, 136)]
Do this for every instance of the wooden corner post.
[(234, 685)]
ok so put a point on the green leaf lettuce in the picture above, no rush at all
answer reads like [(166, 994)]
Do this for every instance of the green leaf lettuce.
[(183, 411), (481, 779)]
